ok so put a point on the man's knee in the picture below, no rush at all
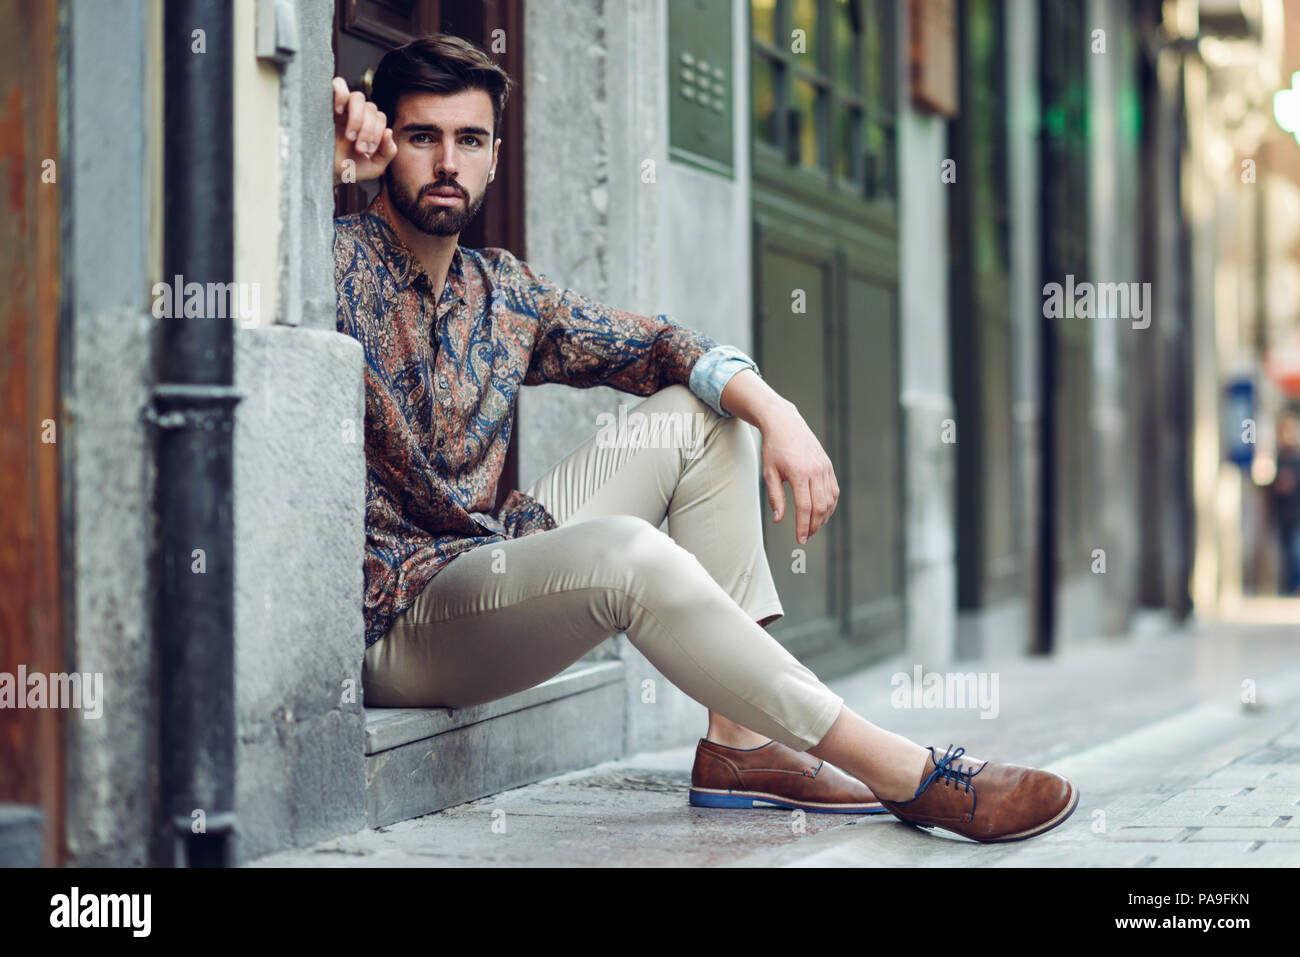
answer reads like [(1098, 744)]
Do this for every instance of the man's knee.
[(680, 399), (643, 551), (698, 417)]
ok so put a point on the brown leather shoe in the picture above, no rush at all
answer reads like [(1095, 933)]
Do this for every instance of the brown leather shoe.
[(987, 802), (775, 775)]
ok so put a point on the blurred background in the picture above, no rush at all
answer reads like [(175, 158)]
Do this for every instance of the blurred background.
[(1030, 270)]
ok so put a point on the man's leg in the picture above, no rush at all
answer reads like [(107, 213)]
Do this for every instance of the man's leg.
[(700, 470), (695, 468), (710, 494), (502, 618)]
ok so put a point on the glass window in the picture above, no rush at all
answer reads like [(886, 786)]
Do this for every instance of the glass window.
[(808, 108), (885, 55), (876, 64), (827, 104), (766, 73), (847, 30), (803, 16), (763, 15), (877, 160), (848, 144)]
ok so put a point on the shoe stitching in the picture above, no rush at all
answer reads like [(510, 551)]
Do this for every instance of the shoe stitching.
[(810, 772)]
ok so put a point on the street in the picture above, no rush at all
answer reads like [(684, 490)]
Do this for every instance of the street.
[(1173, 766)]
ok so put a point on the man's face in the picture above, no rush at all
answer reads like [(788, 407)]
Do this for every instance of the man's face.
[(445, 158)]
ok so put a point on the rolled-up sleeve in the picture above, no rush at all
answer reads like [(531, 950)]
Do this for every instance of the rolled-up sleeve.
[(714, 370)]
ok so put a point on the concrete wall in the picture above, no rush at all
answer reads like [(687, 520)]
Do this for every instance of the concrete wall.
[(1115, 170), (1026, 308), (299, 480), (110, 262), (299, 453), (678, 245), (929, 464), (306, 266), (299, 507), (925, 387)]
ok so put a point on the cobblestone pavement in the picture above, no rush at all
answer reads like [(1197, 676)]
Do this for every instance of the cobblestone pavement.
[(1174, 769)]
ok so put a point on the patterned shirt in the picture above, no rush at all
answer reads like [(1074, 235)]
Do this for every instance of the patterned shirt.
[(441, 381)]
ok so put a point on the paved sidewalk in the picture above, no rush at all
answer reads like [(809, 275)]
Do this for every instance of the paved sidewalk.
[(1173, 769)]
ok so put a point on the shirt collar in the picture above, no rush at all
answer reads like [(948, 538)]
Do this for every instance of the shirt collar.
[(403, 265)]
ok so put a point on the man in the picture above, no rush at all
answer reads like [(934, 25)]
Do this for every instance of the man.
[(465, 605)]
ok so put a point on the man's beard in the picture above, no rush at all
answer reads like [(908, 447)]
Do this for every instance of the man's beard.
[(429, 218)]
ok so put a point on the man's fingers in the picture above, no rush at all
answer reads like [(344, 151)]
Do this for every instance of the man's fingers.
[(802, 508), (821, 502), (340, 94), (775, 494), (356, 114), (387, 147), (372, 130)]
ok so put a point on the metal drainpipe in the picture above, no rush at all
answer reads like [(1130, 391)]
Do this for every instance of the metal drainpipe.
[(193, 411)]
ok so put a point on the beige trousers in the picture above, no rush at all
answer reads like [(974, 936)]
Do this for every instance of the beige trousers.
[(506, 616)]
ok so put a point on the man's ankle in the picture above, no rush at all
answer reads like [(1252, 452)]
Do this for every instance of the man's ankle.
[(735, 737)]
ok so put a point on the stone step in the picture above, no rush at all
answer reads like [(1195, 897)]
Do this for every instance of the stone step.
[(421, 760), (20, 835)]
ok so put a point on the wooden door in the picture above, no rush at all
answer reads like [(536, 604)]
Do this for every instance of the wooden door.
[(33, 427)]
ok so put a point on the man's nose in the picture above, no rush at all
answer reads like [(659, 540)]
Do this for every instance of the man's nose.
[(447, 160)]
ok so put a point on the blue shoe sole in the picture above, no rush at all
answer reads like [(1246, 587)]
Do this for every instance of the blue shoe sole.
[(702, 799)]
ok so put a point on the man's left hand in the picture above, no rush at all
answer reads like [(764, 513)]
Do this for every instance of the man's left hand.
[(791, 453)]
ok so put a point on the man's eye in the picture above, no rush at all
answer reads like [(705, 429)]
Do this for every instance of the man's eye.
[(420, 137), (473, 140)]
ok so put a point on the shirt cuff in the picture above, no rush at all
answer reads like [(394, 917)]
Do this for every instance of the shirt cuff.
[(712, 371)]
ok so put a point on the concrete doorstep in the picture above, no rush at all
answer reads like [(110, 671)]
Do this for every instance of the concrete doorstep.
[(420, 760)]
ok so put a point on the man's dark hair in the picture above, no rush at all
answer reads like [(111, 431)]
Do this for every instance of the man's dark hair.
[(439, 63)]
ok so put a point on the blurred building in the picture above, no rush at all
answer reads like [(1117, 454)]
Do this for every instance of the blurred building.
[(1252, 229), (1002, 254)]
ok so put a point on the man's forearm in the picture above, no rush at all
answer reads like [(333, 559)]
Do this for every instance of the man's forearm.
[(748, 397)]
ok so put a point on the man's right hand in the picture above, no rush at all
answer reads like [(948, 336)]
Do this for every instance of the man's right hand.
[(361, 136)]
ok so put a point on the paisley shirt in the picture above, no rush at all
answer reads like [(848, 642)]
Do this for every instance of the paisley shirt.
[(441, 381)]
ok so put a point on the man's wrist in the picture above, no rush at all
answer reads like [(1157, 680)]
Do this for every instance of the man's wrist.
[(750, 398), (776, 406)]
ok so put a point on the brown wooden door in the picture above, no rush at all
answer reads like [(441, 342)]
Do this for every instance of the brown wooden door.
[(32, 424), (364, 30)]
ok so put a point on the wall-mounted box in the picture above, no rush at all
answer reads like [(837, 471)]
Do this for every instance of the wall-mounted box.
[(701, 84)]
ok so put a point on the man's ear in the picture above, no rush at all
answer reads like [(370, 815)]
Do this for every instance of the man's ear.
[(496, 153)]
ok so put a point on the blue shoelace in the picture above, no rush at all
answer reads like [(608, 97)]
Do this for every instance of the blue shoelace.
[(948, 768)]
